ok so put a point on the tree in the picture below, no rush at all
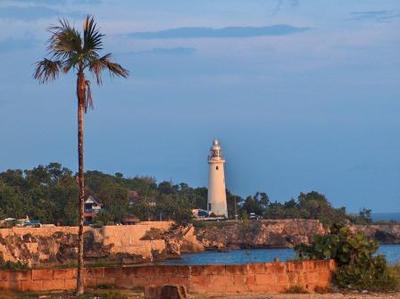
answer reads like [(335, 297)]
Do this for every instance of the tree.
[(71, 50), (256, 204), (358, 265)]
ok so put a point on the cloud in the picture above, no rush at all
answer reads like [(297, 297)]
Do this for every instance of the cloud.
[(375, 15), (12, 44), (170, 51), (226, 32)]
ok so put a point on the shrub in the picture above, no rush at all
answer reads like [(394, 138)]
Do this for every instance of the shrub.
[(358, 266), (14, 266)]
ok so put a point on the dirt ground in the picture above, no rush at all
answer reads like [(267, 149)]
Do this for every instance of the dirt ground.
[(137, 294), (303, 296)]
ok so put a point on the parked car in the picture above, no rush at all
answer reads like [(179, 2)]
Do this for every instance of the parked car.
[(253, 216)]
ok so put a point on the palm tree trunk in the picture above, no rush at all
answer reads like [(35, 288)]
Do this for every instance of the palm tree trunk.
[(81, 93)]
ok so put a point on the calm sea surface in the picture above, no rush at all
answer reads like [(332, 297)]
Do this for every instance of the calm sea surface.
[(244, 256)]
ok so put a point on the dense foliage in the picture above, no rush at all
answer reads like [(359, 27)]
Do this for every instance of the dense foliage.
[(312, 205), (358, 265), (49, 193)]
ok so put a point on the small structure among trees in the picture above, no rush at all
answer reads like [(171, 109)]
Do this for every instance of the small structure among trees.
[(92, 207)]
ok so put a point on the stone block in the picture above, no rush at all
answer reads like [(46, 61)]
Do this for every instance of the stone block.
[(4, 284), (42, 274), (19, 275), (282, 278), (219, 283), (4, 275), (30, 285), (94, 272), (237, 284), (106, 280), (175, 271), (200, 283), (237, 269), (53, 285), (64, 273), (178, 281), (263, 279), (257, 268), (208, 270), (70, 284), (275, 268)]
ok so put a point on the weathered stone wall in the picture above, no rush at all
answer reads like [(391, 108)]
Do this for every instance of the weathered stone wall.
[(53, 244), (250, 278)]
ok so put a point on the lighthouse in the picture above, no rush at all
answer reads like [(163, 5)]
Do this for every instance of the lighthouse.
[(216, 200)]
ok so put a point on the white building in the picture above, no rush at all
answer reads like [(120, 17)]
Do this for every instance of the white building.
[(216, 200)]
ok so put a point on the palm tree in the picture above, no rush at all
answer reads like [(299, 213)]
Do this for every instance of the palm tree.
[(70, 49)]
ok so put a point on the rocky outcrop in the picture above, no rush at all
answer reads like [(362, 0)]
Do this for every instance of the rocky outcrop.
[(280, 233), (258, 234), (58, 245), (154, 241), (178, 240), (383, 233)]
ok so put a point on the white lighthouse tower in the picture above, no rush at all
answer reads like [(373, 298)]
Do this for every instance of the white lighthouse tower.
[(216, 201)]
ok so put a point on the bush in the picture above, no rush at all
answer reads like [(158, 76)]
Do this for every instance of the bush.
[(14, 266), (358, 266)]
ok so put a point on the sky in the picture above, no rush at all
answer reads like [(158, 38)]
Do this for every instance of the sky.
[(302, 94)]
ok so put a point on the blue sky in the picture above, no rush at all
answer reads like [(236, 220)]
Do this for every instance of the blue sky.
[(304, 95)]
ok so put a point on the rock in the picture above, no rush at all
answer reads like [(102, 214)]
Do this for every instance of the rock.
[(259, 234), (165, 292)]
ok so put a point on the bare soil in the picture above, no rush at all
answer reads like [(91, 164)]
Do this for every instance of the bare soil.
[(138, 294), (302, 296)]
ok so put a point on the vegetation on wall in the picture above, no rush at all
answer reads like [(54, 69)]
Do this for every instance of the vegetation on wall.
[(49, 194), (359, 267)]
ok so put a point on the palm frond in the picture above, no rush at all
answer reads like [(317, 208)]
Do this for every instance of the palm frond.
[(47, 69), (65, 40), (97, 66), (71, 62), (92, 38)]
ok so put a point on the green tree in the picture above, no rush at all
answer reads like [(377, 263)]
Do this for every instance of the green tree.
[(358, 265), (71, 50), (256, 204)]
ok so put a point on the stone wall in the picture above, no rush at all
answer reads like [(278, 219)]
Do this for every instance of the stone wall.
[(250, 278), (53, 244)]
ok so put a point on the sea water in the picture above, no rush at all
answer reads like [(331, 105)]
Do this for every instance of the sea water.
[(245, 256)]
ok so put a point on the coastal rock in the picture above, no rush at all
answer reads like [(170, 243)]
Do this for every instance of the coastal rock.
[(154, 241), (383, 233), (53, 245), (258, 233)]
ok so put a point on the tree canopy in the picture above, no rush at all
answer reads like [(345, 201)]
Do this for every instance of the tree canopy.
[(49, 194)]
